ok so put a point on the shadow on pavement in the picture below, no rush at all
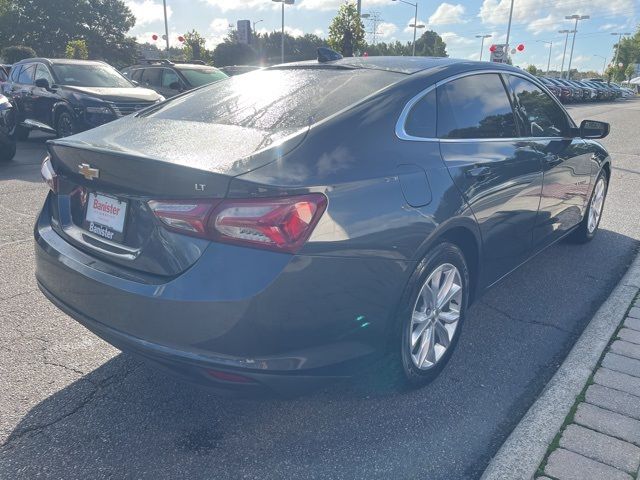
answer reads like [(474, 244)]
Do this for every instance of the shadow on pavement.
[(126, 420)]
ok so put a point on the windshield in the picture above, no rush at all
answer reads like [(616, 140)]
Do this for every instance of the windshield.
[(90, 75), (274, 100), (202, 76)]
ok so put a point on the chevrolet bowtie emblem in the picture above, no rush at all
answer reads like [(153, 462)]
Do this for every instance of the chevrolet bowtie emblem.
[(87, 172)]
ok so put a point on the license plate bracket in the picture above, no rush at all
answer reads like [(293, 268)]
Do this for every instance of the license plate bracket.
[(106, 216)]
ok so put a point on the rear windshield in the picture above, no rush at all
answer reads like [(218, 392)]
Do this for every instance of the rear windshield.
[(198, 77), (273, 100)]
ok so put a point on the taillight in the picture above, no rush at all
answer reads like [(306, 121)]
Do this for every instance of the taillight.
[(281, 224), (49, 175)]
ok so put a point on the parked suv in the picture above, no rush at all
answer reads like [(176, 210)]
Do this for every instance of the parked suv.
[(170, 78), (68, 96)]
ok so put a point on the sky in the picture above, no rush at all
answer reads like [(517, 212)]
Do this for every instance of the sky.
[(458, 23)]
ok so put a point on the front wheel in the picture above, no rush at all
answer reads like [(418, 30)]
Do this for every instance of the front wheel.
[(432, 316), (66, 125), (591, 221), (7, 150), (21, 133)]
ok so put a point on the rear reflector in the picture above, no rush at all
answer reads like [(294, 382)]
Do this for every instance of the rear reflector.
[(281, 224), (49, 175)]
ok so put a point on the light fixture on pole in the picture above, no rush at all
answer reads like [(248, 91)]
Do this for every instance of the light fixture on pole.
[(283, 2), (482, 43), (415, 24), (564, 54), (619, 35), (604, 65), (254, 25), (506, 46), (550, 48), (577, 18)]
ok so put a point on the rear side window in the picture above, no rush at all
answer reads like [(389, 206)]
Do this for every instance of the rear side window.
[(170, 79), (43, 72), (15, 73), (539, 113), (277, 99), (26, 74), (152, 77), (421, 121), (137, 75), (476, 106)]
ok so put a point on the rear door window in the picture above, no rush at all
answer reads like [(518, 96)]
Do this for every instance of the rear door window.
[(540, 115), (152, 77), (26, 74), (475, 106), (170, 79)]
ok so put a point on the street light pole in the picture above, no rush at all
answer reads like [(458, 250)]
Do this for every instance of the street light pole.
[(509, 28), (550, 48), (414, 24), (482, 37), (255, 23), (604, 64), (577, 18), (620, 35), (166, 25), (564, 54), (283, 2)]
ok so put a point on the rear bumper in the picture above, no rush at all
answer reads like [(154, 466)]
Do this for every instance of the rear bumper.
[(275, 319)]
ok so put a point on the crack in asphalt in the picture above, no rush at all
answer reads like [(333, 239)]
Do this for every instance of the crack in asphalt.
[(36, 429), (21, 294), (532, 322)]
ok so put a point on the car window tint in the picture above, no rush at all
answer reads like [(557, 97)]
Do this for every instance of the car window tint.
[(137, 75), (276, 100), (152, 77), (43, 72), (26, 74), (15, 73), (3, 76), (475, 106), (169, 79), (541, 116), (421, 121)]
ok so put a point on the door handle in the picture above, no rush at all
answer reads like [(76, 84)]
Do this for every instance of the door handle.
[(478, 172)]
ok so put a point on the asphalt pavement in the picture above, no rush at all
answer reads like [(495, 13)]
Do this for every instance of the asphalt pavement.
[(72, 406)]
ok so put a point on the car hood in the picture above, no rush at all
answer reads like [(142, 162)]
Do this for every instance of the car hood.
[(134, 94), (225, 149)]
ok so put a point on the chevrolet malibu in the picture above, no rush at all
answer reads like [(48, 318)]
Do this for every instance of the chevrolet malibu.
[(297, 223)]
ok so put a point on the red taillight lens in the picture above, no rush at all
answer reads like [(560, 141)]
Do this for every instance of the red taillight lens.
[(49, 175), (281, 224)]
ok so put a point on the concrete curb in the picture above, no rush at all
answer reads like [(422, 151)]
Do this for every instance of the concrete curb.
[(522, 452)]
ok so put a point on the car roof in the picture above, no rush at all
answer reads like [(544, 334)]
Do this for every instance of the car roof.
[(407, 65), (60, 61)]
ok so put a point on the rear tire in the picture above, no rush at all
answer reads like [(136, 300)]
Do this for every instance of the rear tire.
[(65, 125), (431, 316), (7, 151), (21, 133), (589, 225)]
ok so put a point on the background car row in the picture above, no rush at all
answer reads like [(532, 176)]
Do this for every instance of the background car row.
[(592, 90)]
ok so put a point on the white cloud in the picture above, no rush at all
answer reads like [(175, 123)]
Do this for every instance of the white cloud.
[(147, 11), (294, 32), (538, 20), (411, 21), (452, 38), (324, 5), (447, 13), (218, 29), (226, 5), (386, 29), (319, 32)]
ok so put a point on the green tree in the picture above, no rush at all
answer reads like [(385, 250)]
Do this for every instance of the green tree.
[(228, 53), (77, 49), (16, 53), (346, 32), (48, 26), (532, 69), (630, 71), (194, 46), (430, 44)]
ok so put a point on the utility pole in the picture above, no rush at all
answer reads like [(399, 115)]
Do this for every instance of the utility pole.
[(577, 18), (283, 2), (550, 48), (374, 18), (166, 25), (482, 43), (620, 35), (414, 24)]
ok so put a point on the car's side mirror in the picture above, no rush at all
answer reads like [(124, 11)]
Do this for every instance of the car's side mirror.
[(594, 129), (43, 83), (135, 83)]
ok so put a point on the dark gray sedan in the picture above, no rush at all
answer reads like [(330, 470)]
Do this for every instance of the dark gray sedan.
[(300, 222)]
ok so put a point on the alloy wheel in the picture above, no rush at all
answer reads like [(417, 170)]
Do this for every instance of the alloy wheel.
[(435, 316), (65, 126), (595, 208)]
